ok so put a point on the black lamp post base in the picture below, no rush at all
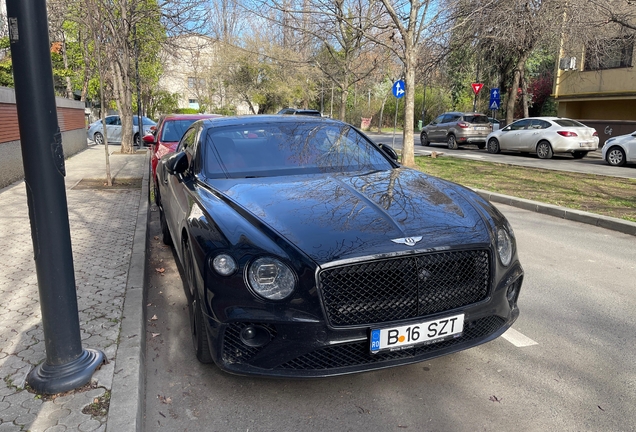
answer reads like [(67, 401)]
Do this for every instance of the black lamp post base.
[(52, 379)]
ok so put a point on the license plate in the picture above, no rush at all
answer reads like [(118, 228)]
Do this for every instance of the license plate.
[(479, 128), (423, 333)]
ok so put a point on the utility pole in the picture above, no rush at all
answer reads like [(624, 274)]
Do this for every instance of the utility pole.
[(67, 365)]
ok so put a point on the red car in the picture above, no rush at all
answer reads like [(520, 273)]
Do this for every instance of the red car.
[(167, 135)]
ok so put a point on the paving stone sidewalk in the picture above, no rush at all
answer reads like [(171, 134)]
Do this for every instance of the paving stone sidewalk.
[(103, 232)]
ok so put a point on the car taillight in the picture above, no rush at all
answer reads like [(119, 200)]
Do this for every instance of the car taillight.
[(463, 125), (567, 133), (595, 133)]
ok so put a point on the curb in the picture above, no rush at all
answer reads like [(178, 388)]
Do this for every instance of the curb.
[(128, 390), (611, 223)]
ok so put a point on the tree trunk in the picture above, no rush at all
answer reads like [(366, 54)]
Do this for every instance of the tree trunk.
[(524, 94), (408, 148), (512, 93), (344, 95)]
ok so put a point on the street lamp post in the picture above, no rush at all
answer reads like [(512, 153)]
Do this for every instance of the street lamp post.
[(67, 365)]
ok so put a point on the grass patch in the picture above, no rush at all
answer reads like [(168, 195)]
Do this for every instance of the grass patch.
[(609, 196)]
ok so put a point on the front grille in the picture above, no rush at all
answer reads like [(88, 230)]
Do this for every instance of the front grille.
[(357, 353), (405, 287), (235, 351)]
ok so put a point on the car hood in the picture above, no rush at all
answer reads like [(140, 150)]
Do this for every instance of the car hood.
[(335, 217)]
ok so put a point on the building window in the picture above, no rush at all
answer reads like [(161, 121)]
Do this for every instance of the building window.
[(193, 103), (196, 83), (609, 54)]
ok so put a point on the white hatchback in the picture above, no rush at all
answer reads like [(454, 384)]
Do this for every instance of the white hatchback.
[(544, 136), (619, 150)]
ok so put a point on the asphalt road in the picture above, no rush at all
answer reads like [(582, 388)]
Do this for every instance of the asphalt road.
[(567, 365), (591, 164)]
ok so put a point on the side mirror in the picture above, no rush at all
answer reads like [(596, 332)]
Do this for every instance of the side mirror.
[(506, 129), (177, 163), (149, 138), (389, 151)]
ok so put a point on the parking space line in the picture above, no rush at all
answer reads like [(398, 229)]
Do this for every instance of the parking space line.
[(517, 339)]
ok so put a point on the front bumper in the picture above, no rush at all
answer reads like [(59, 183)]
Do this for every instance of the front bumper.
[(301, 348)]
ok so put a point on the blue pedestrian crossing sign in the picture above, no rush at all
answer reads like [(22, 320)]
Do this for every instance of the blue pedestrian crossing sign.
[(399, 88), (495, 100)]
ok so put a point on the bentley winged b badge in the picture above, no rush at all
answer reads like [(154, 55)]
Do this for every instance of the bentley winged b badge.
[(409, 241)]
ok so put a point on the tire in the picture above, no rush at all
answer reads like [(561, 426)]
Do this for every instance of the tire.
[(493, 146), (452, 142), (424, 139), (197, 325), (579, 154), (137, 140), (98, 138), (615, 156), (481, 146), (544, 150), (165, 231)]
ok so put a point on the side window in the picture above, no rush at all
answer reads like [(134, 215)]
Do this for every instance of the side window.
[(117, 121), (438, 119), (447, 118), (543, 124), (111, 121), (520, 125), (187, 140)]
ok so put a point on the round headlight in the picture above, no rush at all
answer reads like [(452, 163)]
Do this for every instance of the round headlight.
[(224, 264), (504, 246), (270, 278)]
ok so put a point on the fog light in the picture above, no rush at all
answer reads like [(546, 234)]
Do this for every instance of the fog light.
[(255, 336), (224, 264), (513, 291)]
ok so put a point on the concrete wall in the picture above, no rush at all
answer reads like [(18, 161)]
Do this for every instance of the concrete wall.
[(70, 118)]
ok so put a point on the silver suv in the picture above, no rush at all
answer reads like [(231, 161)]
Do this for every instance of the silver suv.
[(457, 128)]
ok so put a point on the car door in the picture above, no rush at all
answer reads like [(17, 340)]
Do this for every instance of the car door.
[(512, 135), (536, 132), (432, 129), (448, 122), (114, 130), (178, 185)]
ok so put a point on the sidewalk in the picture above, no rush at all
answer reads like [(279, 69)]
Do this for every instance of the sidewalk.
[(108, 232)]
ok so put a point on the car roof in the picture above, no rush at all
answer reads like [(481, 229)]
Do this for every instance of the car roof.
[(266, 118), (189, 116)]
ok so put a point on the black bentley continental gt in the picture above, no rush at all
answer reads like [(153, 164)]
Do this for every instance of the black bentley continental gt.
[(309, 251)]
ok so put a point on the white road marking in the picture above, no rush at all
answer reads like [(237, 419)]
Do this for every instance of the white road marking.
[(517, 339)]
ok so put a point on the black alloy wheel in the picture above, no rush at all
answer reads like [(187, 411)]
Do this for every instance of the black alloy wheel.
[(197, 326), (165, 231), (424, 139)]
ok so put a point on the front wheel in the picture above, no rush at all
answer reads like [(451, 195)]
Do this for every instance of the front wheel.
[(197, 325), (493, 146), (424, 139), (544, 150), (165, 231), (579, 154), (98, 138), (616, 156), (137, 140), (452, 142)]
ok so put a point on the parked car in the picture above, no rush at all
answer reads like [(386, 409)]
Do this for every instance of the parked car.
[(495, 123), (113, 127), (619, 150), (545, 136), (457, 128), (295, 111), (166, 136), (309, 251)]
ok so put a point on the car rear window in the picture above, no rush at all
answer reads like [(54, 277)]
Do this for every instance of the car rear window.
[(568, 123), (478, 119), (173, 130)]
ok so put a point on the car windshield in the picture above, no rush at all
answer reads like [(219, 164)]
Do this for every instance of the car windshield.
[(145, 120), (264, 150), (173, 130), (479, 119), (568, 123)]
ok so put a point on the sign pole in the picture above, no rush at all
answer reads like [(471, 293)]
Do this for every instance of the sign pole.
[(397, 107)]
